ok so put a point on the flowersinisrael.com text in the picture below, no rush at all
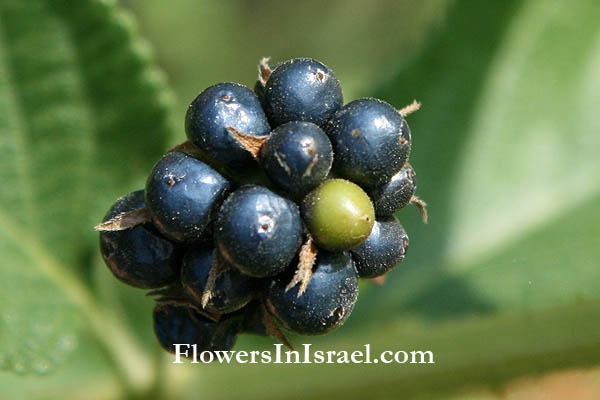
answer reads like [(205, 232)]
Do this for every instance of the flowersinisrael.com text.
[(189, 353)]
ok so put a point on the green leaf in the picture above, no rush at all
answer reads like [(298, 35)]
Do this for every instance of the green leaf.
[(83, 115), (518, 203), (534, 130), (467, 353)]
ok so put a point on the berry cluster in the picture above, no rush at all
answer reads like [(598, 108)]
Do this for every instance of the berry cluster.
[(267, 216)]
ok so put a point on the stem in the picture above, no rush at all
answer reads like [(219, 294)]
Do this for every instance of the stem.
[(132, 367)]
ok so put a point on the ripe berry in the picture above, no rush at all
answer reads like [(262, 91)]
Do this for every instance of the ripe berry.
[(383, 250), (180, 324), (138, 256), (182, 194), (327, 301), (371, 141), (232, 289), (258, 231), (396, 193), (219, 107), (302, 89), (338, 214), (297, 156)]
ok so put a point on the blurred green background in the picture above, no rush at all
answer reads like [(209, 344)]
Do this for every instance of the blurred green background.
[(501, 284)]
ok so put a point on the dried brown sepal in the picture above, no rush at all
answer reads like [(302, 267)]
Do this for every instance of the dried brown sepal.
[(378, 280), (204, 313), (307, 259), (126, 220), (196, 308), (174, 295), (171, 291), (188, 148), (264, 70), (272, 327), (409, 109), (252, 144), (422, 206), (218, 267)]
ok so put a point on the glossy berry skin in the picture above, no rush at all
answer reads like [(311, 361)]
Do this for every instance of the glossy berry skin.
[(383, 250), (371, 141), (180, 324), (232, 290), (338, 214), (302, 89), (139, 256), (396, 193), (297, 156), (258, 231), (182, 194), (221, 106), (327, 302)]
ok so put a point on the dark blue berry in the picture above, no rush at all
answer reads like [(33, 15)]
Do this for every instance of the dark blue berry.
[(302, 89), (371, 141), (258, 231), (182, 194), (297, 156), (180, 324), (383, 250), (327, 301), (259, 90), (138, 256), (232, 289), (394, 194), (219, 107)]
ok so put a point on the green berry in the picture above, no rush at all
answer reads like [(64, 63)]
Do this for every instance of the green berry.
[(338, 214)]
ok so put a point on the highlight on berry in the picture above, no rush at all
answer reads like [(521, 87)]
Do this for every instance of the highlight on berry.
[(264, 220)]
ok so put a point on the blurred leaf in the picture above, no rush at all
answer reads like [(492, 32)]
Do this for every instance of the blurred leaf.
[(515, 219), (477, 351), (86, 375), (82, 117), (534, 151)]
